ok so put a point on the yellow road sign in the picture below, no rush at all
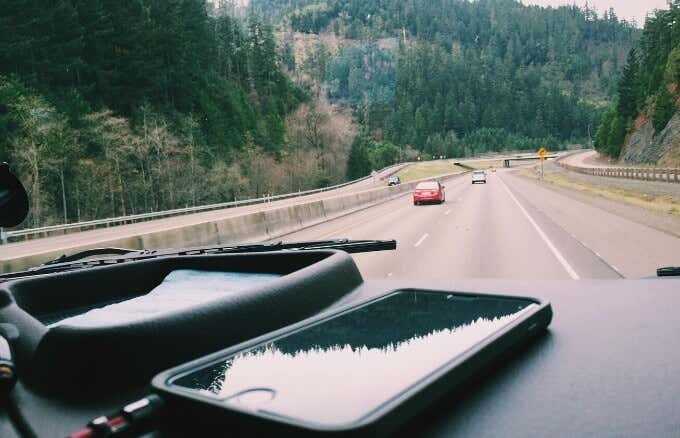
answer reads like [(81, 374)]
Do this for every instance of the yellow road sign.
[(542, 153)]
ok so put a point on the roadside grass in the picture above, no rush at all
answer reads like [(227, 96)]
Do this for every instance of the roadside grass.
[(483, 164), (663, 204), (427, 169)]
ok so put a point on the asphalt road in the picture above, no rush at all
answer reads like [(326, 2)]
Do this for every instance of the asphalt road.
[(102, 235), (586, 159), (510, 227), (99, 237)]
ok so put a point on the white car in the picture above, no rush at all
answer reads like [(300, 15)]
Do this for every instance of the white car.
[(478, 176)]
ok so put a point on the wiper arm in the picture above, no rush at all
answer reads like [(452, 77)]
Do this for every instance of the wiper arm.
[(75, 261)]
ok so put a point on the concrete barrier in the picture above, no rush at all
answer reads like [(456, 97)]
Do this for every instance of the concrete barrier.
[(52, 230), (248, 227)]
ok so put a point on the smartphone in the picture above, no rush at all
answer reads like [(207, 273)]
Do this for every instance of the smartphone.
[(360, 371)]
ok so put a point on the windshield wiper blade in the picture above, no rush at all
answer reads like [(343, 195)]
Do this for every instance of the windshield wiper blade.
[(88, 253), (349, 246), (75, 261), (668, 271)]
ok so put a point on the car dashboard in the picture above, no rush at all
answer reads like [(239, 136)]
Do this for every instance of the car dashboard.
[(607, 365)]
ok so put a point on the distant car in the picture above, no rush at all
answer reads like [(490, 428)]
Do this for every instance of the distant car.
[(478, 176), (429, 191), (393, 181)]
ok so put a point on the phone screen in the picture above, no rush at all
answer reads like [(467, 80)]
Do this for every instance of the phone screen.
[(338, 371)]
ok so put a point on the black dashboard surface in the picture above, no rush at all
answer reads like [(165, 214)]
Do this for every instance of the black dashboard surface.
[(609, 365)]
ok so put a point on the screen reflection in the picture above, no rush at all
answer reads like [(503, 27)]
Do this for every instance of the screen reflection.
[(336, 372)]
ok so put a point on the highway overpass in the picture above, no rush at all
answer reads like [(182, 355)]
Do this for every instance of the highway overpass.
[(526, 159)]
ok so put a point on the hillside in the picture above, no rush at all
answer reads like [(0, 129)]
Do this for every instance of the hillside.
[(110, 108), (643, 125), (462, 77)]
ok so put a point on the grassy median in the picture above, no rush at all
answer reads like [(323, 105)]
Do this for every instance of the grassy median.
[(427, 169), (483, 164), (663, 204)]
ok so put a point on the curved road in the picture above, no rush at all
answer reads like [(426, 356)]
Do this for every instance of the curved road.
[(586, 159), (510, 227)]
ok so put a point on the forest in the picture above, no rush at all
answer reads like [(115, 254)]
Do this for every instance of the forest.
[(648, 87), (110, 108), (457, 78)]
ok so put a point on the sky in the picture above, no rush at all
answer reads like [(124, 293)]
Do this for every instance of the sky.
[(626, 9)]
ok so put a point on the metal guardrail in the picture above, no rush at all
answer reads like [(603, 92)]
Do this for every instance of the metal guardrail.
[(5, 236), (640, 173)]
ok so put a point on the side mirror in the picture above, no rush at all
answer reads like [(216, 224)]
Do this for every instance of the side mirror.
[(13, 198)]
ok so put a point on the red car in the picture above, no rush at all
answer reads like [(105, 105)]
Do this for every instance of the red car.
[(429, 191)]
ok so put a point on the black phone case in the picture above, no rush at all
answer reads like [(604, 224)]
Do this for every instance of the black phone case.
[(190, 413)]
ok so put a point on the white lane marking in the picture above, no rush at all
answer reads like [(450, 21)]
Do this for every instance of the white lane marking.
[(421, 240), (446, 213), (355, 224), (567, 267)]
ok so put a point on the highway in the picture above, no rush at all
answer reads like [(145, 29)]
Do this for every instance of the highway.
[(510, 227), (66, 243), (586, 159)]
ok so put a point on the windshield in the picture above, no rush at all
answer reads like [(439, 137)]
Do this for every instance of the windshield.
[(142, 124)]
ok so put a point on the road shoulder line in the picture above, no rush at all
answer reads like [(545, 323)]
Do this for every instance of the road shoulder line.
[(421, 240), (560, 258)]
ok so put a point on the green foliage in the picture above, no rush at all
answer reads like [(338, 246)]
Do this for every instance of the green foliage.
[(617, 134), (313, 20), (565, 44), (110, 107), (664, 108), (358, 163), (602, 134), (492, 140), (436, 92), (38, 140), (611, 133), (651, 77), (451, 66), (168, 53), (361, 74), (316, 62), (629, 87), (383, 154)]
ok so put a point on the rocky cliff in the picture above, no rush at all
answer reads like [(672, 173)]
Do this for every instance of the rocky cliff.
[(642, 146)]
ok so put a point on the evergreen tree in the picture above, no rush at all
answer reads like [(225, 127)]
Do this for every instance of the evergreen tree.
[(358, 162), (629, 87), (650, 77), (617, 134), (664, 108)]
